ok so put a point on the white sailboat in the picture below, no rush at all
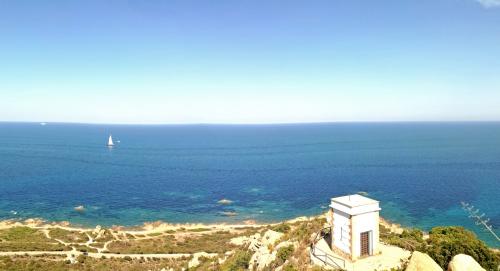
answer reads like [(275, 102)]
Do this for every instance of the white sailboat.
[(110, 141)]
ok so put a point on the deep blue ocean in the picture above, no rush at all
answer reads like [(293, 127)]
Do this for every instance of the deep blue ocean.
[(419, 171)]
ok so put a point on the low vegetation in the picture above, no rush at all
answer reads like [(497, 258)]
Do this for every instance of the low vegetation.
[(27, 239), (57, 263), (237, 262), (68, 236), (409, 239), (283, 254), (104, 237), (444, 243), (198, 230), (217, 242), (282, 227), (302, 231), (296, 258)]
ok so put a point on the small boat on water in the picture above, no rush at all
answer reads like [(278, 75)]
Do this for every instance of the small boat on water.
[(110, 141)]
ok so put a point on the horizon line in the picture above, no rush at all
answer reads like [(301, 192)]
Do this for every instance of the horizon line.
[(254, 123)]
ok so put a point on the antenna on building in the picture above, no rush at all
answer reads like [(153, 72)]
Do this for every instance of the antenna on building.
[(479, 219)]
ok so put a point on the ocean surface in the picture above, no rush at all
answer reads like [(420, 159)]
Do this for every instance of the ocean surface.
[(419, 171)]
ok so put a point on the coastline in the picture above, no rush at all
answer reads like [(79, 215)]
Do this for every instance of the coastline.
[(160, 244), (146, 227), (157, 227)]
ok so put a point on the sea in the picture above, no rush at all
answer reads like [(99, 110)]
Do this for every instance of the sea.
[(420, 172)]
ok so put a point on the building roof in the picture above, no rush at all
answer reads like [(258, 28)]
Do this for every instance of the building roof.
[(355, 204), (354, 200)]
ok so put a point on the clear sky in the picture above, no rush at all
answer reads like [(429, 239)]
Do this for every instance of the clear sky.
[(249, 61)]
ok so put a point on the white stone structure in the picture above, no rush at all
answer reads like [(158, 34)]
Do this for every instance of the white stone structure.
[(354, 222)]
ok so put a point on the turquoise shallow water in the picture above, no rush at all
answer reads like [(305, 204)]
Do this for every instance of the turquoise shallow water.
[(419, 171)]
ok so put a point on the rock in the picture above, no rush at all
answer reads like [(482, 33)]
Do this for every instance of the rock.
[(287, 243), (270, 237), (227, 213), (250, 222), (194, 262), (263, 256), (255, 242), (422, 262), (225, 202), (80, 208), (97, 230), (462, 262), (240, 240)]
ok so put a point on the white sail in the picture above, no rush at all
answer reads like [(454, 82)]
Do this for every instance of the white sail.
[(110, 141)]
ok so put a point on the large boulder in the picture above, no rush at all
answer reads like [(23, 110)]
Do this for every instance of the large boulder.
[(270, 237), (264, 248), (422, 262), (462, 262)]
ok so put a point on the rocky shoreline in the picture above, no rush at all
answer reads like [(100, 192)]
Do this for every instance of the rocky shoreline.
[(196, 246)]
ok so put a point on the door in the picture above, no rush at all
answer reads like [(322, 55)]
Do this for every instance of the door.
[(365, 243)]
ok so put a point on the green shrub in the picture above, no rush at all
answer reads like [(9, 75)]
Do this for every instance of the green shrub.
[(290, 267), (237, 262), (409, 239), (26, 239), (283, 227), (302, 231), (284, 253), (198, 229), (81, 258), (446, 242), (68, 236)]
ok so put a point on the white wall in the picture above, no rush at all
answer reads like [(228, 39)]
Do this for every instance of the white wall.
[(363, 223), (341, 231)]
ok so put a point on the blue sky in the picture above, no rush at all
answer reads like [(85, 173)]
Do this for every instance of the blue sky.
[(249, 61)]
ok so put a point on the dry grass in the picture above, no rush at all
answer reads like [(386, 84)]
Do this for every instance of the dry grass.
[(27, 239), (217, 242), (68, 236), (54, 263)]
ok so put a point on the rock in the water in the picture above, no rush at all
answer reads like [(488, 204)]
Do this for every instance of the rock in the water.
[(462, 262), (422, 262), (228, 213), (80, 208), (225, 201)]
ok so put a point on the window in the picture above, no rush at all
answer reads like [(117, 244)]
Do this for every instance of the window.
[(344, 233)]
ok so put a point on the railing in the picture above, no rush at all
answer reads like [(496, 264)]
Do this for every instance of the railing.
[(324, 256)]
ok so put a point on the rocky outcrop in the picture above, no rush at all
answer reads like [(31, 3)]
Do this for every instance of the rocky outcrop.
[(422, 262), (462, 262), (194, 262), (263, 246)]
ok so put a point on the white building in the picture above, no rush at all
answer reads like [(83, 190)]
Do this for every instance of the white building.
[(354, 221)]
